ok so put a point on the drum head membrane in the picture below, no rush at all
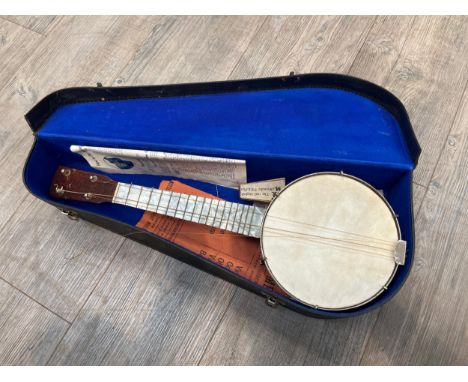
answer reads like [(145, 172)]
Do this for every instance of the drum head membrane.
[(328, 241)]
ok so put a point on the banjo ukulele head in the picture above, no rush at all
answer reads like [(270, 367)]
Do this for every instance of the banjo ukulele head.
[(329, 240)]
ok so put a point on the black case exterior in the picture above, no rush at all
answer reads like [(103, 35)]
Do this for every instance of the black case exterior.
[(46, 107)]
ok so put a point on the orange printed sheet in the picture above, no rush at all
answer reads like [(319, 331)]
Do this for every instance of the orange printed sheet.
[(239, 254)]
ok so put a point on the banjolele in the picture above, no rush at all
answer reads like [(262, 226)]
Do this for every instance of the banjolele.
[(330, 240)]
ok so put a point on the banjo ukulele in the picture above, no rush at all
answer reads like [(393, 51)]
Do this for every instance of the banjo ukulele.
[(330, 240)]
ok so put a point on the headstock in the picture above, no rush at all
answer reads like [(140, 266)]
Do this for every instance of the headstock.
[(70, 183)]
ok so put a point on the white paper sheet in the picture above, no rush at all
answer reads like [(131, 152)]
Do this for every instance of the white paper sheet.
[(222, 171), (263, 191)]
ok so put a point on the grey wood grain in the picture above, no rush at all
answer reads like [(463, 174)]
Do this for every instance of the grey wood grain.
[(427, 322), (429, 78), (419, 192), (303, 45), (13, 154), (79, 51), (332, 48), (52, 259), (38, 24), (252, 333), (16, 46), (272, 45), (382, 48), (199, 48), (29, 333), (148, 309)]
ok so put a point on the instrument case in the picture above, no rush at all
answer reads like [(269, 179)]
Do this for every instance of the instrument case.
[(283, 127)]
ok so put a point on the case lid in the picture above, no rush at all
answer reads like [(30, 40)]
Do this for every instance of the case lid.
[(323, 116)]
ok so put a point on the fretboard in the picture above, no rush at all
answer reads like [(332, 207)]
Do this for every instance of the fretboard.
[(234, 217)]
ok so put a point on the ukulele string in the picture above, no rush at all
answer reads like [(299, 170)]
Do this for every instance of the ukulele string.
[(256, 226), (358, 250), (84, 193), (330, 229), (171, 210), (389, 246), (312, 237), (383, 253)]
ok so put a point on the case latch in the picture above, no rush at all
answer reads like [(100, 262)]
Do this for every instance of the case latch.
[(71, 214), (271, 301)]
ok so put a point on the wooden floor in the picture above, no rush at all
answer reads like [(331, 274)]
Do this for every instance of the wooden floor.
[(72, 293)]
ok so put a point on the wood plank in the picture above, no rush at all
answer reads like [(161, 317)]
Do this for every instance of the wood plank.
[(272, 43), (148, 309), (54, 260), (200, 48), (429, 78), (327, 50), (79, 51), (303, 45), (16, 46), (419, 192), (39, 254), (382, 48), (341, 342), (38, 24), (250, 332), (13, 154), (29, 333), (427, 321)]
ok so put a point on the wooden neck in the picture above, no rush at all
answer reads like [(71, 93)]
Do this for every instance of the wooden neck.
[(234, 217), (70, 183)]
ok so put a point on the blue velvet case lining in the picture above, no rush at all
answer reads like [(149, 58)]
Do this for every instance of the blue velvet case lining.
[(288, 132)]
